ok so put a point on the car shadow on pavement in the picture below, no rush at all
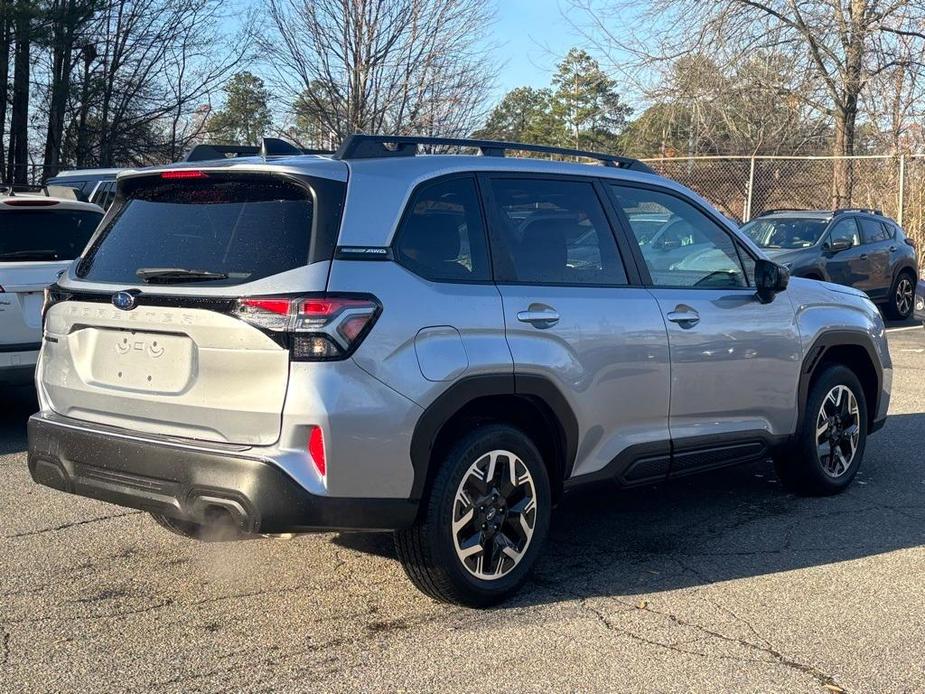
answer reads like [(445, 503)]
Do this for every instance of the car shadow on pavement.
[(16, 405), (729, 524)]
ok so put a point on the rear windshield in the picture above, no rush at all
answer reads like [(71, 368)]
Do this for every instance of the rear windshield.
[(215, 230), (44, 234)]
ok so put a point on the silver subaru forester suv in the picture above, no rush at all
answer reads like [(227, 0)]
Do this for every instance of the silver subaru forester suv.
[(436, 345)]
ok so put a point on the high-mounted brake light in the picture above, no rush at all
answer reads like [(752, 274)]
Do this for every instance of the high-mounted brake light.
[(184, 173), (318, 328), (29, 202), (316, 449)]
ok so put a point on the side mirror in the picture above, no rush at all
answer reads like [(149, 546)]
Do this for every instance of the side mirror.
[(839, 245), (770, 279)]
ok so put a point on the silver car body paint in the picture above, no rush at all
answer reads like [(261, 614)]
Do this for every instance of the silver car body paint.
[(630, 376)]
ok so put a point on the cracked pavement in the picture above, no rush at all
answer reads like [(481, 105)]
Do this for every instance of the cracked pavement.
[(717, 583)]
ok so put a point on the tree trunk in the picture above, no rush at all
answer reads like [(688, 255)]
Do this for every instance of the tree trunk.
[(18, 165), (65, 17), (5, 17)]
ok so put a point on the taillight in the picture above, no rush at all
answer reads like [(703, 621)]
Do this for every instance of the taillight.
[(319, 328), (30, 202), (316, 449), (909, 241), (184, 173)]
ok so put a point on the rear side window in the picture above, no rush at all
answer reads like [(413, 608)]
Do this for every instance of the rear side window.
[(235, 228), (441, 237), (872, 230), (553, 232), (42, 234)]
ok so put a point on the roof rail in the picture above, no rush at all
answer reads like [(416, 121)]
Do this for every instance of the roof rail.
[(864, 210), (269, 147), (207, 152), (782, 209), (376, 146)]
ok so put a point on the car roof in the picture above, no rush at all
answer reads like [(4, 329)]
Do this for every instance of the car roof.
[(7, 203), (390, 181)]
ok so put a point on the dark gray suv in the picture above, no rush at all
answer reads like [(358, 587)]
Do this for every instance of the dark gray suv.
[(859, 248)]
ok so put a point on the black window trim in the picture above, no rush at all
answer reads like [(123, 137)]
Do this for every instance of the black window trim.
[(740, 247), (407, 211), (490, 208)]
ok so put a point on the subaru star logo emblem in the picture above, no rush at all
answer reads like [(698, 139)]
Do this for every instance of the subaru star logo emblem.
[(123, 301)]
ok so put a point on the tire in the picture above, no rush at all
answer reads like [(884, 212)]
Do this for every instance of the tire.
[(431, 552), (199, 532), (809, 468), (902, 296)]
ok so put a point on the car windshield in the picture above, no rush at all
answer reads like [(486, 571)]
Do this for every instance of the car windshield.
[(30, 235), (785, 232)]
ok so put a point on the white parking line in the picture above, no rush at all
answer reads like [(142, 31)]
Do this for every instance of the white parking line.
[(907, 327)]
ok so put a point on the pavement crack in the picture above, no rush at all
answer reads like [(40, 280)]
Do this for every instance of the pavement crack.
[(66, 526), (4, 648), (767, 648)]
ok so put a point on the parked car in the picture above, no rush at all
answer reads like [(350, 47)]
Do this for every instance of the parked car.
[(858, 248), (39, 236), (441, 349), (83, 181)]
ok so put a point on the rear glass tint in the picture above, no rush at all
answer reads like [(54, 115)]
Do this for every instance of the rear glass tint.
[(245, 227), (44, 234)]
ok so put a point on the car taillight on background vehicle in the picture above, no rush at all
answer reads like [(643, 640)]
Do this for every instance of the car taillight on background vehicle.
[(319, 328)]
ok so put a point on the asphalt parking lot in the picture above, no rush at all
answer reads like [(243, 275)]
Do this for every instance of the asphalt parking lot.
[(721, 583)]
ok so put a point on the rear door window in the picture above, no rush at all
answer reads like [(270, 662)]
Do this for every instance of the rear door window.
[(44, 234), (230, 228), (553, 232), (872, 230)]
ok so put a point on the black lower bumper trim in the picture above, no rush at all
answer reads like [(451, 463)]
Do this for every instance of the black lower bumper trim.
[(192, 484)]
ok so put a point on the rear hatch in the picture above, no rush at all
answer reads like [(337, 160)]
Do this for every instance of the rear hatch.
[(145, 334), (38, 239)]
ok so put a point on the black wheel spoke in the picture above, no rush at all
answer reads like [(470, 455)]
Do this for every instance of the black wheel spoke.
[(494, 515)]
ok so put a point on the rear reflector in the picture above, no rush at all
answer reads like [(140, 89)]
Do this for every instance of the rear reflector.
[(26, 202), (316, 449), (184, 173)]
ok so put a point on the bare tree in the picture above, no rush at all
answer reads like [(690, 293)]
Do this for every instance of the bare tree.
[(393, 66), (843, 44)]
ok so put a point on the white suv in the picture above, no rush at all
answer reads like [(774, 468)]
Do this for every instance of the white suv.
[(39, 236)]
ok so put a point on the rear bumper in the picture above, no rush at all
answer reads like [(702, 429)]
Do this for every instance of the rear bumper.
[(179, 478)]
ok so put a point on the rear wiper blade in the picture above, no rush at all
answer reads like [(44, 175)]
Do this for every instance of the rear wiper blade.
[(43, 253), (179, 274)]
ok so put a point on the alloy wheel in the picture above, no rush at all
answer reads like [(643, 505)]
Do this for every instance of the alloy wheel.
[(494, 515), (838, 430), (905, 293)]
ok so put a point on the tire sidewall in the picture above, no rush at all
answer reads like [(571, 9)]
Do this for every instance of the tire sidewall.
[(460, 458), (828, 379), (894, 308)]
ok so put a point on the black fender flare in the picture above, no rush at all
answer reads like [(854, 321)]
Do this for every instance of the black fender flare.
[(815, 354), (470, 388)]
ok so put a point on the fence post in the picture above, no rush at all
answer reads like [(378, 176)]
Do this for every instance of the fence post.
[(747, 214), (902, 188)]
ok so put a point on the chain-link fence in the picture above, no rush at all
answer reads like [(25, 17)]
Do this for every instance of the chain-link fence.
[(743, 187)]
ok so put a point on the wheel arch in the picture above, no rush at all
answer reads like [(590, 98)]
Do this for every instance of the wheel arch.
[(531, 403), (852, 349)]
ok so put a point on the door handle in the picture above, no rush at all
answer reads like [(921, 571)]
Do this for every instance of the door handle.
[(863, 256), (685, 317), (892, 248), (539, 317)]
